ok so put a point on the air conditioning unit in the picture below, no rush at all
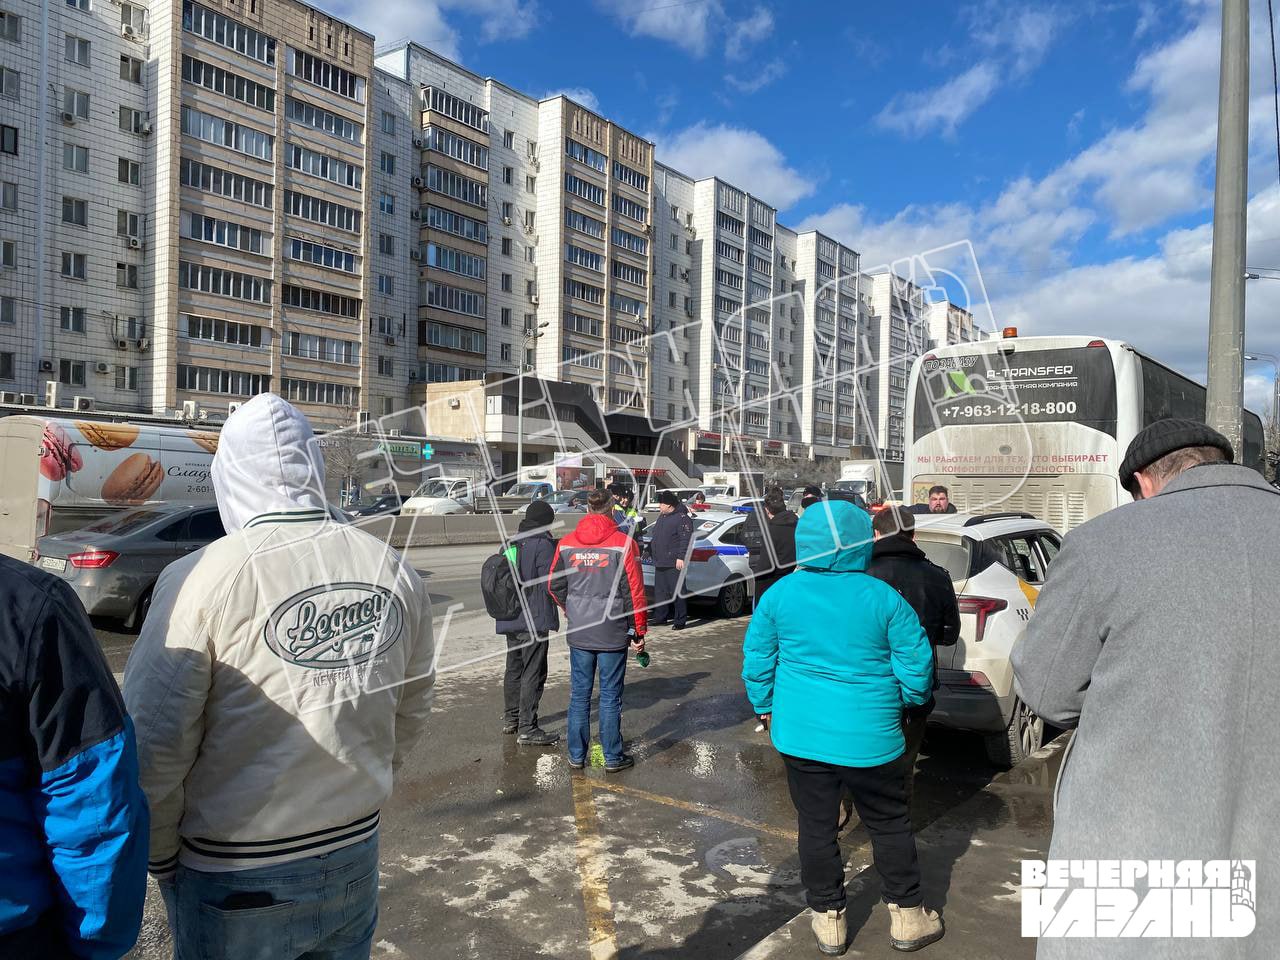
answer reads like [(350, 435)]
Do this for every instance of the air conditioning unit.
[(27, 399), (82, 403), (506, 221), (233, 406), (535, 164), (389, 340), (415, 214), (7, 397), (415, 254), (128, 31), (418, 182), (135, 243), (190, 409), (419, 143), (533, 298), (688, 312), (204, 414), (146, 128), (46, 366), (122, 343), (68, 118), (690, 231), (50, 394), (143, 343), (684, 274), (528, 228)]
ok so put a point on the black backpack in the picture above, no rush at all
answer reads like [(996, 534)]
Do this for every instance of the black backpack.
[(500, 586)]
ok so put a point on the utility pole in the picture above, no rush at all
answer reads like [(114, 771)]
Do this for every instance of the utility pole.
[(1224, 403)]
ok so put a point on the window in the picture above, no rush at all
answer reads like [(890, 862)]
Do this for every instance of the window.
[(71, 319), (223, 331), (77, 50), (6, 366), (438, 101), (388, 123), (228, 33), (71, 373), (583, 291), (386, 365), (127, 275), (387, 163), (230, 85), (629, 208), (456, 224), (460, 148), (506, 211), (312, 347), (8, 196), (74, 211), (126, 378), (224, 233), (582, 357), (327, 393), (9, 254), (8, 310), (133, 16), (580, 221), (76, 103), (326, 212), (631, 241), (530, 254), (1019, 557), (455, 261), (326, 75), (8, 139), (322, 166), (306, 298), (386, 244), (321, 255), (675, 242), (218, 380), (506, 316), (586, 190), (387, 203), (506, 246), (630, 176), (584, 154), (509, 139), (227, 133), (386, 285), (324, 120), (130, 69), (73, 265), (455, 338), (671, 299), (628, 305), (504, 351), (508, 174), (457, 186), (133, 121), (530, 184), (10, 83), (624, 271), (730, 224), (584, 258), (454, 299), (210, 179), (506, 283), (223, 283)]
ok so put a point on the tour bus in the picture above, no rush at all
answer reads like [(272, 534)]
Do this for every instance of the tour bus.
[(1040, 424)]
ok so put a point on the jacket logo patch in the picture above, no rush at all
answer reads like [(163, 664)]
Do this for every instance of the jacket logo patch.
[(589, 559), (335, 625)]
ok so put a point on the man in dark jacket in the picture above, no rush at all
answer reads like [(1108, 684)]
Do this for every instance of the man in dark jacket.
[(596, 580), (669, 550), (73, 820), (769, 535), (534, 549), (897, 561)]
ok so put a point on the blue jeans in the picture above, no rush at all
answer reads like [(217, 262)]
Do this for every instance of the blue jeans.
[(319, 908), (582, 674)]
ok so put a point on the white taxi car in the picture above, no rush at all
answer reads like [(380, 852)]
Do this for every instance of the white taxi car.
[(997, 564), (719, 569)]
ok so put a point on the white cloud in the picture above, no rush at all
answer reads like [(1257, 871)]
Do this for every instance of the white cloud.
[(577, 94), (689, 25), (748, 31), (424, 21), (771, 71), (741, 157), (942, 108)]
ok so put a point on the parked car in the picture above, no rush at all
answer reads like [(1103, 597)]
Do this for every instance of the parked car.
[(564, 501), (113, 563), (997, 564), (718, 570), (386, 504)]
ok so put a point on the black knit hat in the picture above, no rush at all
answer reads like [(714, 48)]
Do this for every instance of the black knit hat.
[(541, 513), (669, 498), (812, 492), (1162, 438)]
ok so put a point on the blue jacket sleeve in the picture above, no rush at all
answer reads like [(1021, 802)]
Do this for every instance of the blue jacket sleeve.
[(910, 653), (88, 799), (760, 654)]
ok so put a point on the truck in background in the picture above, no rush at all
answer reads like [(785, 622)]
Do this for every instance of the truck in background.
[(445, 495), (870, 479), (733, 484)]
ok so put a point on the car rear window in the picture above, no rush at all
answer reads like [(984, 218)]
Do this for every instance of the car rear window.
[(126, 522), (951, 556)]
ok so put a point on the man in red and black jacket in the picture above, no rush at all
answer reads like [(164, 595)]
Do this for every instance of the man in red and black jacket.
[(596, 579)]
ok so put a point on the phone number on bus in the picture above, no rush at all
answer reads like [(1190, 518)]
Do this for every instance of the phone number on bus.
[(971, 411)]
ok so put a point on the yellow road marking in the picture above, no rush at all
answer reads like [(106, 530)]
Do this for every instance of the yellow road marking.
[(603, 937), (700, 809)]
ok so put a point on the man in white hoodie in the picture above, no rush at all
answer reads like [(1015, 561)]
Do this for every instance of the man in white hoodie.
[(282, 674)]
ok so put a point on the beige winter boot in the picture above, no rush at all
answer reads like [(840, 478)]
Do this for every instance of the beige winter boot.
[(911, 928), (831, 931)]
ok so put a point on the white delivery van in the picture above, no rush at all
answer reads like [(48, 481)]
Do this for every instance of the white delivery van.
[(441, 496), (60, 474)]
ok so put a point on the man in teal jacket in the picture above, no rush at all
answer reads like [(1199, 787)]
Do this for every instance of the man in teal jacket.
[(830, 660)]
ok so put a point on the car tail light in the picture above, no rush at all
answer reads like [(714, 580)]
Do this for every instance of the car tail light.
[(93, 559), (702, 554), (982, 608), (977, 679)]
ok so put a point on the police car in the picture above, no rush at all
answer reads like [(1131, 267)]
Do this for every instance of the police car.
[(719, 569)]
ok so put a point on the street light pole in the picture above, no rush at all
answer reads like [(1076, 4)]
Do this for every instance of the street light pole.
[(530, 336), (1224, 402), (1275, 383)]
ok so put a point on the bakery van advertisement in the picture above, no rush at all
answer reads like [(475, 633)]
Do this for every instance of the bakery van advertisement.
[(61, 474)]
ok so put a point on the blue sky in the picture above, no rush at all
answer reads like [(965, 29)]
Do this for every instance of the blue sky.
[(1067, 147)]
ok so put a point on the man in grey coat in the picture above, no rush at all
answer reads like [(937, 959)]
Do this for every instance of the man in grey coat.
[(1155, 636)]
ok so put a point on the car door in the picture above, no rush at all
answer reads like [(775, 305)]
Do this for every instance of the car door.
[(205, 526)]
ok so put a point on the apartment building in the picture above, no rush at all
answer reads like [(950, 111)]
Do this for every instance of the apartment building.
[(901, 334), (949, 323)]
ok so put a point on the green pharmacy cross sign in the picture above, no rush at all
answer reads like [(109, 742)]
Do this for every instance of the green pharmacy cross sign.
[(428, 451)]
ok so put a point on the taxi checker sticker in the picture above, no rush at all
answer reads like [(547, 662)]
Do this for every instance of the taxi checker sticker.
[(335, 625)]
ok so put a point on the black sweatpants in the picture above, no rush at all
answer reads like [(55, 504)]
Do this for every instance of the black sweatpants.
[(668, 599), (879, 797), (526, 676)]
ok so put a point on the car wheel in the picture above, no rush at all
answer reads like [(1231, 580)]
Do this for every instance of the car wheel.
[(732, 600), (1022, 737), (139, 615)]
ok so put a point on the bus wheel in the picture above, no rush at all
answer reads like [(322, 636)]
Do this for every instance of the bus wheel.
[(1022, 737)]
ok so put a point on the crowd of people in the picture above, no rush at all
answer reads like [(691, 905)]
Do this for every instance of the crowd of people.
[(295, 650)]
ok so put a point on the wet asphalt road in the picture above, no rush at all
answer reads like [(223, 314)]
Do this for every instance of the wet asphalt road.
[(493, 850)]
